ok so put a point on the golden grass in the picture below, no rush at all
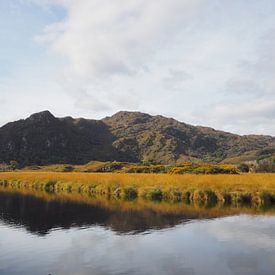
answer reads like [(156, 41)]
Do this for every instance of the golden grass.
[(247, 188)]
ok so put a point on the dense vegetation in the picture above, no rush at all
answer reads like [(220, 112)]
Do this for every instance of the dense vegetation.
[(145, 168), (196, 168), (266, 165), (43, 139)]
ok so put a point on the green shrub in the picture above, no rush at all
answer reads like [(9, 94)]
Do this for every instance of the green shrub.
[(130, 193), (14, 165), (50, 185), (147, 169), (201, 168), (211, 197), (154, 194), (243, 167), (266, 166), (267, 198), (68, 168)]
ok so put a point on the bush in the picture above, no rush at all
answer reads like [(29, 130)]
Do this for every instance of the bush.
[(130, 193), (155, 195), (202, 168), (147, 169), (266, 166), (14, 165), (243, 167), (50, 185), (68, 168)]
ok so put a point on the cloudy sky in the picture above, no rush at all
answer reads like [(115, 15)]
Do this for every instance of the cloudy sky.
[(204, 62)]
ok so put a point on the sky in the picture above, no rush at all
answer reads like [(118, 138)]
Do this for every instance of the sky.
[(203, 62)]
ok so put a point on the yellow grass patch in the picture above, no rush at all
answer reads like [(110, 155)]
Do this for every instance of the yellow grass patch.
[(256, 188)]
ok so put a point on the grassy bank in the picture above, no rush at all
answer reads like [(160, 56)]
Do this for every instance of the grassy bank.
[(256, 189), (141, 168)]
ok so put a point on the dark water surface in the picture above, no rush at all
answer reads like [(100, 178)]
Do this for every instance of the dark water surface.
[(61, 237)]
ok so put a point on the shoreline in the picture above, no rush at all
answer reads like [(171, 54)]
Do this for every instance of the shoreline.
[(247, 189)]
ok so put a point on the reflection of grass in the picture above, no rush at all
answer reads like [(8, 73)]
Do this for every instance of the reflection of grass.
[(256, 189), (49, 186), (130, 193), (191, 210)]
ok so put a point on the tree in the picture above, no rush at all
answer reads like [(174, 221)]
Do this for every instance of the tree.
[(243, 167), (266, 165), (14, 165)]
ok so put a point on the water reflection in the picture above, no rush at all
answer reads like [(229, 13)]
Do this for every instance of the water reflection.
[(40, 216), (39, 212), (50, 236)]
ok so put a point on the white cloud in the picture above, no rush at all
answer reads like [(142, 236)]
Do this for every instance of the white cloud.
[(253, 116), (116, 37), (203, 62), (252, 231), (114, 48)]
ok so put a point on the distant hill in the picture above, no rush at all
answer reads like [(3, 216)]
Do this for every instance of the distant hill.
[(126, 136)]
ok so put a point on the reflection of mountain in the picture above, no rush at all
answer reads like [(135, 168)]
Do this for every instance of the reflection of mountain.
[(40, 216)]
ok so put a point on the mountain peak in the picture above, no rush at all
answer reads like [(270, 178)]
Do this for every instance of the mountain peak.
[(127, 117), (44, 116), (130, 114)]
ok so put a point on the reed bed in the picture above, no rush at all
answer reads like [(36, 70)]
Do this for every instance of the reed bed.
[(256, 189), (192, 210)]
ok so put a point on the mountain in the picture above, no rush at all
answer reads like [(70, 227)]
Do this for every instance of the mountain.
[(126, 136)]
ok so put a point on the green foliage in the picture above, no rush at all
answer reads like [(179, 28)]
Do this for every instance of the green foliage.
[(147, 169), (202, 168), (110, 167), (267, 198), (125, 167), (154, 194), (243, 167), (242, 198), (265, 166), (130, 193), (50, 186), (262, 157), (68, 168), (264, 154), (14, 165)]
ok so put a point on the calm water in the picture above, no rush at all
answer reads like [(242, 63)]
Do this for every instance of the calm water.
[(42, 237)]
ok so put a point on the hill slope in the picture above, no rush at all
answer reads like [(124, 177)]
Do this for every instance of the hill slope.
[(126, 136)]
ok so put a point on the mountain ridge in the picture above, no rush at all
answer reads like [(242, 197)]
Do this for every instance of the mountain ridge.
[(43, 138)]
